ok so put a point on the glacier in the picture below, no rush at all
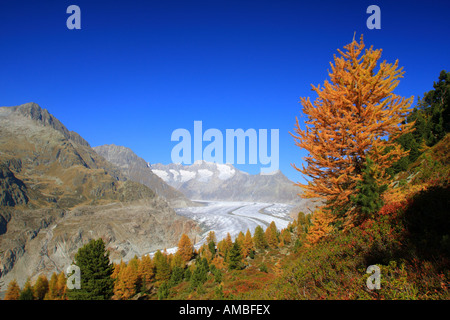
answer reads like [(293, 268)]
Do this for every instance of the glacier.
[(232, 217)]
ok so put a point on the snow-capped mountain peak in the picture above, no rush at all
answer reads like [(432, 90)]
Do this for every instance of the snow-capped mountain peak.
[(216, 181), (201, 170)]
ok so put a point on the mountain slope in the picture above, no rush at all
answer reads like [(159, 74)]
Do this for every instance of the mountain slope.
[(57, 193), (138, 170)]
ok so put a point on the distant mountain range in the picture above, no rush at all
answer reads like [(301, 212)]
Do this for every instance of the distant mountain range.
[(212, 181), (57, 193)]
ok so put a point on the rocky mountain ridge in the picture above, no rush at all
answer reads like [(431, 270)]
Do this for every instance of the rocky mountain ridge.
[(138, 170)]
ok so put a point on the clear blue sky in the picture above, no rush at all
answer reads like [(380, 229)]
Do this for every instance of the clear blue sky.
[(137, 70)]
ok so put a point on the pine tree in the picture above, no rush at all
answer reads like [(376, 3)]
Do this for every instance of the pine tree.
[(259, 238), (430, 119), (302, 225), (200, 273), (235, 257), (162, 266), (185, 248), (221, 248), (211, 241), (436, 106), (212, 248), (13, 291), (188, 274), (349, 121), (163, 290), (27, 291), (302, 220), (368, 199), (96, 271), (177, 261), (177, 276)]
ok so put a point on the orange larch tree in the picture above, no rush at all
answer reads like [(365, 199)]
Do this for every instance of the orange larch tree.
[(61, 287), (211, 237), (117, 268), (247, 246), (52, 289), (125, 286), (185, 248), (356, 115), (146, 270), (240, 238), (271, 235), (40, 287), (225, 245), (13, 291), (321, 226), (285, 237)]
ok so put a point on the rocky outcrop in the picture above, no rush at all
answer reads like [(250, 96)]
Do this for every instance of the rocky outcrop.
[(12, 190)]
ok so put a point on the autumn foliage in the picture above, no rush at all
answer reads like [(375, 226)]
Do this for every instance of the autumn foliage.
[(185, 248), (42, 289), (13, 291), (349, 121), (404, 231), (321, 226)]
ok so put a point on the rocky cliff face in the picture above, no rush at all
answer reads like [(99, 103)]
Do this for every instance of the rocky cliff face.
[(57, 193), (138, 170), (13, 190), (42, 241)]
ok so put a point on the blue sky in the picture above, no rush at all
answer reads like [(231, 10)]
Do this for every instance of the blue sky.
[(138, 70)]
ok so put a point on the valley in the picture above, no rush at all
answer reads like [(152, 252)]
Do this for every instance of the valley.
[(57, 193), (234, 217)]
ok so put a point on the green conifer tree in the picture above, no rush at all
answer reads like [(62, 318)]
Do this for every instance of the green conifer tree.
[(95, 271), (200, 273), (27, 291), (162, 266), (259, 238), (368, 200), (235, 257)]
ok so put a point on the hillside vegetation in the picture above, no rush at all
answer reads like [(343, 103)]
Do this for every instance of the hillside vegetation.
[(386, 204), (408, 239)]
